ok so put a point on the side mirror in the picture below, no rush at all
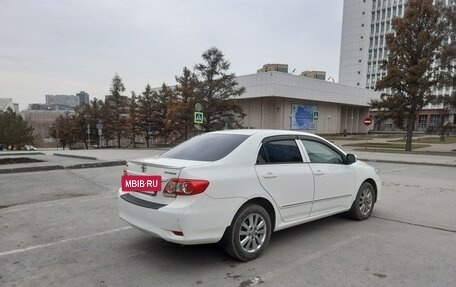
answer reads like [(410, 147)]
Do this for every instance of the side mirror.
[(351, 158)]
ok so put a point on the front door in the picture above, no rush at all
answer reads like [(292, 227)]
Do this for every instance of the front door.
[(334, 180)]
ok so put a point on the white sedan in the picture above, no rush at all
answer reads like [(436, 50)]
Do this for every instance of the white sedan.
[(237, 187)]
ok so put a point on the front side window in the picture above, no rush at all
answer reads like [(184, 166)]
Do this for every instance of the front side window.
[(279, 151), (321, 153)]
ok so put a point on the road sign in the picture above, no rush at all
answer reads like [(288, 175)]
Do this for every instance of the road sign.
[(198, 107), (315, 116), (198, 117), (367, 121), (150, 131), (100, 132), (100, 126)]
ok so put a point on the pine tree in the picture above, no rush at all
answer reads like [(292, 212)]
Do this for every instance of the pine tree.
[(146, 111), (115, 110), (161, 101), (185, 100), (14, 130), (218, 91), (134, 122)]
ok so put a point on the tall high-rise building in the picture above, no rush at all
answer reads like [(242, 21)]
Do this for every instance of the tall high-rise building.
[(363, 47), (84, 98), (365, 24)]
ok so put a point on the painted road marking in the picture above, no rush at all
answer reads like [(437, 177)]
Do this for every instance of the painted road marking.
[(16, 251)]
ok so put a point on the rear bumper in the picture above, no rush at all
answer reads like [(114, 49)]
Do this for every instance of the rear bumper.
[(200, 218)]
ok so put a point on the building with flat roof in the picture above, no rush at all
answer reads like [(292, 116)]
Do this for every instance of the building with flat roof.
[(274, 67), (276, 100)]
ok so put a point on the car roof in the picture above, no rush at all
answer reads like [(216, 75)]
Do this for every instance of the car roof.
[(263, 132)]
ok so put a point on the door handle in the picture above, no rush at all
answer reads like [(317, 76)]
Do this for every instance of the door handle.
[(319, 172), (269, 175)]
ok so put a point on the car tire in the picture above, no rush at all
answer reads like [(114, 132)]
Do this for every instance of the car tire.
[(249, 233), (363, 205)]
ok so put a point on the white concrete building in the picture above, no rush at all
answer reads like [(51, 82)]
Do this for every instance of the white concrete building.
[(365, 24), (276, 100)]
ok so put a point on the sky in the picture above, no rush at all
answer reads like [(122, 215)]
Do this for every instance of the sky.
[(67, 46)]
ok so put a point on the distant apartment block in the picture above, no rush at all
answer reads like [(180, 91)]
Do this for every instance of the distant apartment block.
[(274, 68), (319, 75), (84, 98), (68, 101)]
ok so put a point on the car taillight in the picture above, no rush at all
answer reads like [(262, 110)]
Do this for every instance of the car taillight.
[(180, 186)]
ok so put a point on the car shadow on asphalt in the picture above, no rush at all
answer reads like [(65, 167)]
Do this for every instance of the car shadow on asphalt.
[(182, 257)]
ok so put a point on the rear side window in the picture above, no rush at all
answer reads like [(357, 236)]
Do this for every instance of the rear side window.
[(280, 151), (207, 147)]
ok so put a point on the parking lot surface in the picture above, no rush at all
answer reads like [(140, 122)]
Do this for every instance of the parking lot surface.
[(60, 228)]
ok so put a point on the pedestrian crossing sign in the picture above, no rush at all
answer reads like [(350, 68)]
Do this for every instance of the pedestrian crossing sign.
[(198, 117)]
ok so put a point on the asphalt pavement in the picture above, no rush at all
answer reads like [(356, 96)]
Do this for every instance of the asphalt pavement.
[(61, 228)]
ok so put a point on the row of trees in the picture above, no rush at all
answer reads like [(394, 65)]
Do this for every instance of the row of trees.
[(422, 56), (166, 113)]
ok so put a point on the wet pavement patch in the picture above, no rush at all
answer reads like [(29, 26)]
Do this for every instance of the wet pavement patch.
[(15, 160)]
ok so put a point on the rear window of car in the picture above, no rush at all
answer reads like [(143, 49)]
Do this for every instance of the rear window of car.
[(207, 147)]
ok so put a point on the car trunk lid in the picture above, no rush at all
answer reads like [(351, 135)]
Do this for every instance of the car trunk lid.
[(166, 168)]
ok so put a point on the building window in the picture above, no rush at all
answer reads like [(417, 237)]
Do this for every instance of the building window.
[(359, 61), (435, 120), (362, 25), (422, 122), (364, 13), (362, 37), (359, 72), (357, 84), (360, 49)]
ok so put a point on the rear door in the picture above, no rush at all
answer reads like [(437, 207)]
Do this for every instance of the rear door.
[(283, 174)]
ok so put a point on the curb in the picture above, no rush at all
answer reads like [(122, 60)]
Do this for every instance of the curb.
[(438, 153), (97, 164), (60, 167), (22, 153), (30, 169), (75, 156), (408, 162)]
